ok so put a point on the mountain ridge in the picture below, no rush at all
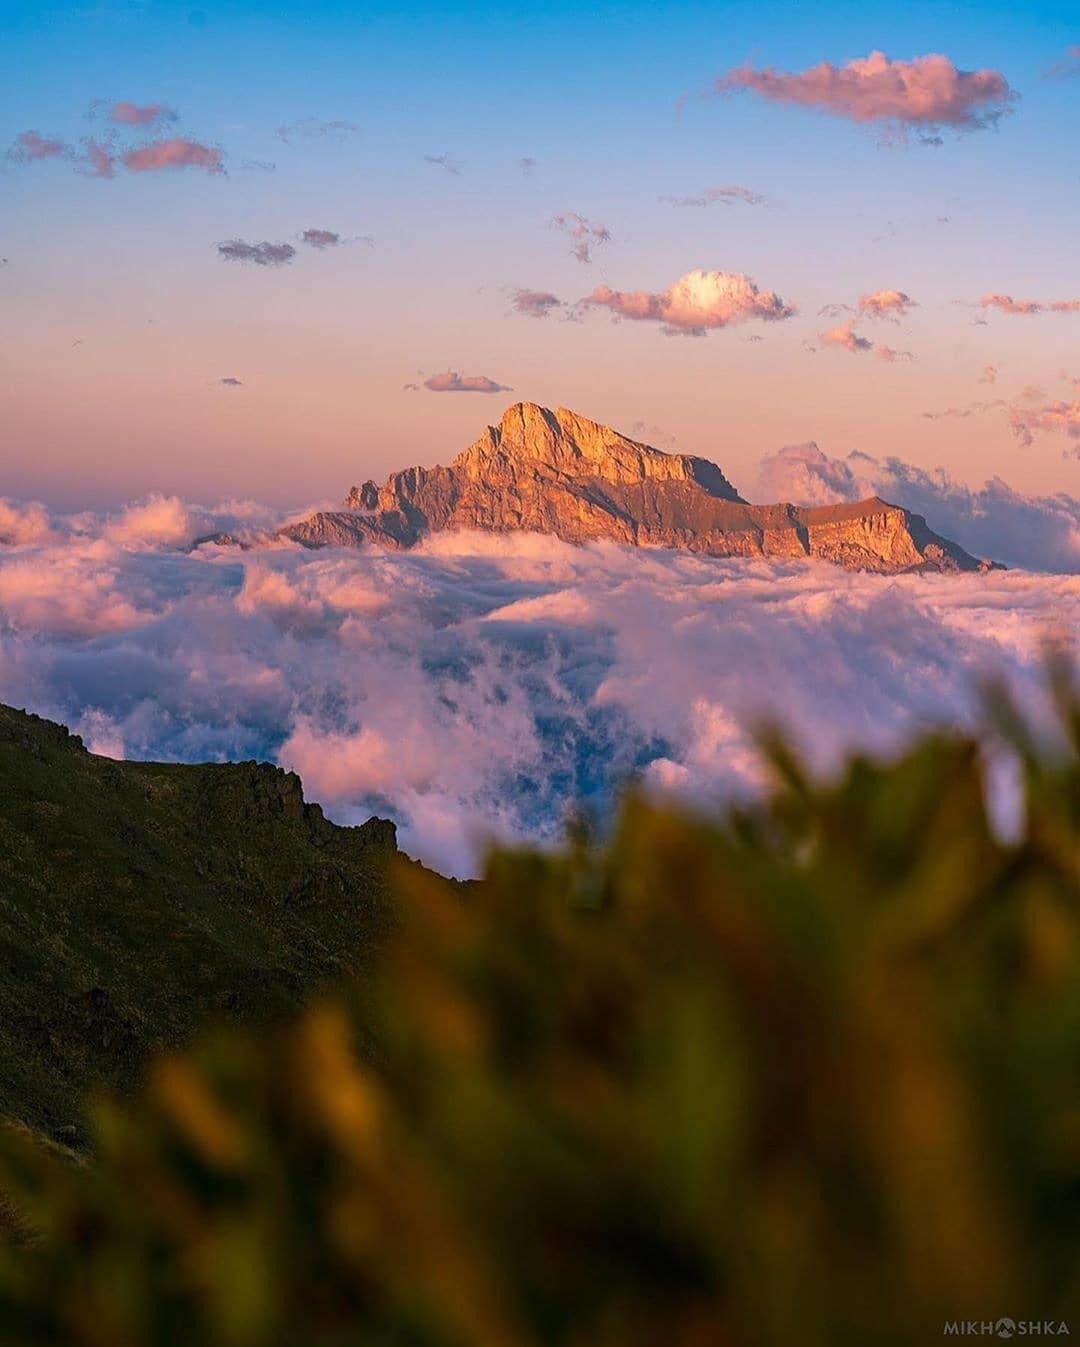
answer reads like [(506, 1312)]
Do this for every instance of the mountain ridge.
[(559, 473)]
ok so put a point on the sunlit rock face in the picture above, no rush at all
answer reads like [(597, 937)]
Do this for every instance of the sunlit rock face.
[(556, 472)]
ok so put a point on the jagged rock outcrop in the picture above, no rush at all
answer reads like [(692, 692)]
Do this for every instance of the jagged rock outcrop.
[(556, 472)]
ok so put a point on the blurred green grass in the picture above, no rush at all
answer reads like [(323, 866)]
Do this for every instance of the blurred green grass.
[(807, 1075)]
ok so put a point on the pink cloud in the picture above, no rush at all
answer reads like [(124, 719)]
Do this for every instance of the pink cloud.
[(535, 303), (845, 338), (152, 114), (1006, 304), (175, 153), (70, 593), (31, 145), (926, 93), (452, 382), (989, 374), (695, 302), (886, 304), (27, 522), (99, 160), (158, 520), (1058, 417), (584, 234)]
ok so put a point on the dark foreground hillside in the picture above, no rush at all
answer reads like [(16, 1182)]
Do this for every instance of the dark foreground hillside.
[(138, 900), (806, 1076)]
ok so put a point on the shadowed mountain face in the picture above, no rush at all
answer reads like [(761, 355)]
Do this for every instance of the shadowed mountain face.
[(138, 900), (556, 472)]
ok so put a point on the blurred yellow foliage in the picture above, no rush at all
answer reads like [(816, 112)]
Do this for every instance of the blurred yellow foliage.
[(804, 1076)]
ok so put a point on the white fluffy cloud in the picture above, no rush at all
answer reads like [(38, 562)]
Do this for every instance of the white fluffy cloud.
[(696, 302), (481, 686)]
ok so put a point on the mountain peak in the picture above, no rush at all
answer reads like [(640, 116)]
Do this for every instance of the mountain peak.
[(560, 473), (570, 445)]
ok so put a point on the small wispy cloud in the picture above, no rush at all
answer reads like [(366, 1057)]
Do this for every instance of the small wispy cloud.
[(725, 196), (446, 162), (260, 254), (1068, 67), (98, 160), (320, 238), (315, 128), (845, 338), (232, 383), (31, 146), (962, 413), (1059, 416), (450, 381), (535, 303), (528, 165), (148, 115), (584, 233)]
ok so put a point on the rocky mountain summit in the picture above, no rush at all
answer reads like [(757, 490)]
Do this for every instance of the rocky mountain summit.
[(560, 473)]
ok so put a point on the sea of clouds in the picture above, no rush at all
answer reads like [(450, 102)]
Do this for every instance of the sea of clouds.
[(482, 686)]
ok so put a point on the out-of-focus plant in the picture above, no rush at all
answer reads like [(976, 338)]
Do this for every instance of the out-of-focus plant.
[(808, 1075)]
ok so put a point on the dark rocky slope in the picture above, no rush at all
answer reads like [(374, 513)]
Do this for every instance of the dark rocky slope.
[(138, 900)]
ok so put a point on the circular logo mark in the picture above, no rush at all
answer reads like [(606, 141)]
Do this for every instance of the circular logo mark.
[(1005, 1328)]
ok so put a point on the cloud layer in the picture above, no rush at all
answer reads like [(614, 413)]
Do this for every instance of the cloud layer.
[(926, 94), (483, 686), (695, 302)]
